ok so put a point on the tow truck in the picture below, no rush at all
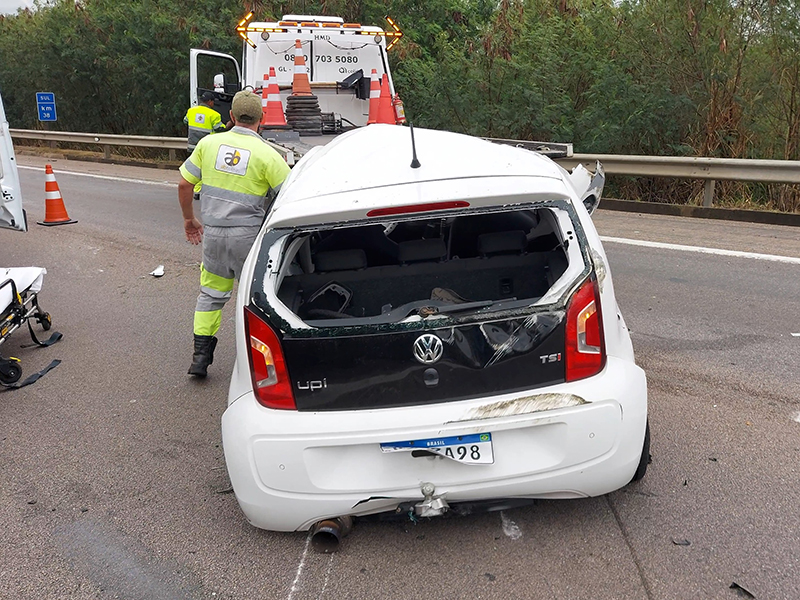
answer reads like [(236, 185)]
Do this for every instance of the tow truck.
[(340, 58)]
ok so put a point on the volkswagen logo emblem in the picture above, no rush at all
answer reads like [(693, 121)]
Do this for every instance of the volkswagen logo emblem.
[(428, 349)]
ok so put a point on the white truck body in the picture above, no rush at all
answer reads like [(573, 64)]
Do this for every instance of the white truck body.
[(334, 51)]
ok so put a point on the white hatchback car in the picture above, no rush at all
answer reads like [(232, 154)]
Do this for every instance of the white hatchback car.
[(415, 335)]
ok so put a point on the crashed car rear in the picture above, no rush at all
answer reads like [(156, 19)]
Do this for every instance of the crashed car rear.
[(416, 335)]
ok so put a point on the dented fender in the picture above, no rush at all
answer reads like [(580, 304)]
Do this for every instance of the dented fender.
[(589, 186)]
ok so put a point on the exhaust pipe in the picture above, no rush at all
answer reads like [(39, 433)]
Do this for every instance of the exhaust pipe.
[(327, 535)]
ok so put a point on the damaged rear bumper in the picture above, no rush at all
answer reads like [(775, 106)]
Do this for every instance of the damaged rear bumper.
[(290, 470)]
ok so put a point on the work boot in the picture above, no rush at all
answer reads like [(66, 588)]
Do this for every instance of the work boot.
[(203, 354)]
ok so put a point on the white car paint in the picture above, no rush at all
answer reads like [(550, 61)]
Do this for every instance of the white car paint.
[(290, 469)]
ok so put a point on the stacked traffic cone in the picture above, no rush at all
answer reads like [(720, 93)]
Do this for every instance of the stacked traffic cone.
[(300, 83), (374, 97), (271, 101), (54, 211), (302, 108), (385, 109)]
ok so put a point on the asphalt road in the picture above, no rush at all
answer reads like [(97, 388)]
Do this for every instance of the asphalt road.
[(113, 482)]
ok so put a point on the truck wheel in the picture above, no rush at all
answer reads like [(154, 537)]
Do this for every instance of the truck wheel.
[(645, 458)]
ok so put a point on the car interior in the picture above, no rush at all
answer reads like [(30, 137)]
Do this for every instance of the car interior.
[(432, 264)]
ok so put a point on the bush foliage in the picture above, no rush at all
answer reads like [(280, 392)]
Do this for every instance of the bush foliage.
[(698, 77)]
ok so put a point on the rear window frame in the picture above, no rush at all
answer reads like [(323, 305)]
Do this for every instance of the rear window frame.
[(271, 259)]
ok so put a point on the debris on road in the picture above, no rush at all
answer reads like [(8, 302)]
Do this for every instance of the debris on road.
[(740, 591), (158, 271), (681, 542)]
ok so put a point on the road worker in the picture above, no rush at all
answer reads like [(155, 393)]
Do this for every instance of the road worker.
[(202, 120), (241, 174)]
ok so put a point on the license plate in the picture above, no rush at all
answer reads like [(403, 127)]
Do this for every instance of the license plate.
[(475, 449)]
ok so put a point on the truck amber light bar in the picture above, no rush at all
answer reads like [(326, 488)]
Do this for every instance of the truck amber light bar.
[(415, 208), (394, 36)]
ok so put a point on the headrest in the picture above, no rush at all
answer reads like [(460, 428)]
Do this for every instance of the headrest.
[(502, 242), (417, 250), (340, 260)]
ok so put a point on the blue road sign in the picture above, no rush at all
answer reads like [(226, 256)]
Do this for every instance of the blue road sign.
[(46, 104)]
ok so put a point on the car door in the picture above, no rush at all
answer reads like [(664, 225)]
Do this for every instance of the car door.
[(12, 216)]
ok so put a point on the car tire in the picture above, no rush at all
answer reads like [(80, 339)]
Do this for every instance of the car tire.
[(645, 458)]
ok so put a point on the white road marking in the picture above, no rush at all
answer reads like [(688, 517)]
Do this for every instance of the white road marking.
[(300, 567), (327, 576), (108, 177), (796, 335), (510, 528), (702, 250)]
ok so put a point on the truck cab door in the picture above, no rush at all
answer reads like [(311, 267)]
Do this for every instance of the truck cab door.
[(11, 214), (214, 72)]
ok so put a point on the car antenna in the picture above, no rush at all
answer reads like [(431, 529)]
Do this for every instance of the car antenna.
[(415, 164)]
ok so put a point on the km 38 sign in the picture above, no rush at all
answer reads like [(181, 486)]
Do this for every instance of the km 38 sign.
[(46, 105)]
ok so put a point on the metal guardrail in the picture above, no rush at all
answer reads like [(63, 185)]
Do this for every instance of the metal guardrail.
[(107, 140), (710, 170)]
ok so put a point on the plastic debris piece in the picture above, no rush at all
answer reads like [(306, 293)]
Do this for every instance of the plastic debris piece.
[(740, 591), (681, 542), (158, 271)]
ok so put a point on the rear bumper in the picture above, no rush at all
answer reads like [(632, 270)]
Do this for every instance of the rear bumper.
[(290, 469)]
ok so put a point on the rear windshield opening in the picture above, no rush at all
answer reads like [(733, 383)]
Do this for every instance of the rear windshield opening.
[(387, 272)]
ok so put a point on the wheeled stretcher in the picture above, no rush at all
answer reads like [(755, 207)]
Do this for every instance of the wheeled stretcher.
[(19, 304)]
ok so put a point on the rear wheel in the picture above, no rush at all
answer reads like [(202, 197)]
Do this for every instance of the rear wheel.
[(645, 458)]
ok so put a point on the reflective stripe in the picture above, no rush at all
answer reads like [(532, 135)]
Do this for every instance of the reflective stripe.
[(374, 93), (207, 322), (230, 196), (301, 69), (215, 282), (274, 98), (216, 294), (192, 168), (52, 195)]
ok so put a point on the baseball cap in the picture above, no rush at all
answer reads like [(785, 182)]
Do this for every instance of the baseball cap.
[(246, 107), (207, 96)]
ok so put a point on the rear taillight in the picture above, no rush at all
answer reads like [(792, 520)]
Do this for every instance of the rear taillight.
[(585, 346), (271, 382)]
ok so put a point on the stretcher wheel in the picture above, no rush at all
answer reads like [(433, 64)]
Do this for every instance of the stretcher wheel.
[(10, 372), (44, 320)]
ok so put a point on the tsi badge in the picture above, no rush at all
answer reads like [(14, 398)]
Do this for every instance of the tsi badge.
[(550, 358), (232, 160), (428, 349)]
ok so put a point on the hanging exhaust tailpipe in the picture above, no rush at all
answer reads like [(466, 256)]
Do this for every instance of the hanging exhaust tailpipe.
[(327, 535)]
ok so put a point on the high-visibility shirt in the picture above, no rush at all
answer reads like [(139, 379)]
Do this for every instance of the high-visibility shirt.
[(202, 120), (237, 168)]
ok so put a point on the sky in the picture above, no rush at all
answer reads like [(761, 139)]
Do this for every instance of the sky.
[(10, 6)]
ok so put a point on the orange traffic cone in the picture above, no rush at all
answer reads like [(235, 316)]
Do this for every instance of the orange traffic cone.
[(300, 83), (374, 97), (54, 211), (385, 109), (264, 92), (271, 101)]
